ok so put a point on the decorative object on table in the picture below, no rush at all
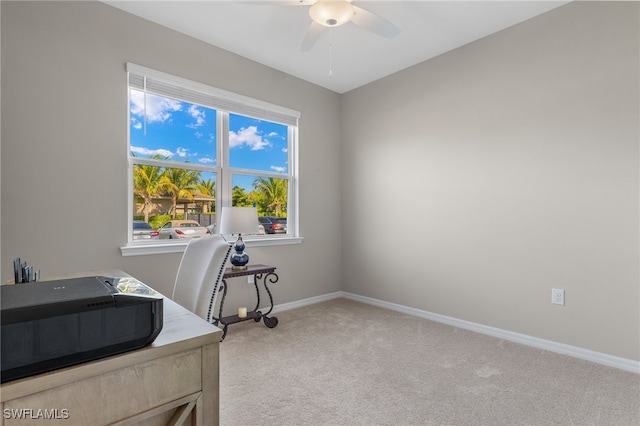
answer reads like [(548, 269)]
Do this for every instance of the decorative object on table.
[(23, 272), (239, 220)]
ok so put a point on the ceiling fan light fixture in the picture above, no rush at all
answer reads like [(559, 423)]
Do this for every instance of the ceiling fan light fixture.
[(331, 13)]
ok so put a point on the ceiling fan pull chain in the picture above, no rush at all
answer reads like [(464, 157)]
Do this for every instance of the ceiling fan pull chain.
[(330, 53)]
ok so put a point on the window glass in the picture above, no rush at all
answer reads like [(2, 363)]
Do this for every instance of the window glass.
[(171, 130), (269, 195), (163, 193), (257, 144)]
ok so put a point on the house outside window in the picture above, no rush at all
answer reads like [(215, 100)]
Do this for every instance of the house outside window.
[(194, 149)]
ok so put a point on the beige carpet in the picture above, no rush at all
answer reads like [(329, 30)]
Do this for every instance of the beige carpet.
[(346, 363)]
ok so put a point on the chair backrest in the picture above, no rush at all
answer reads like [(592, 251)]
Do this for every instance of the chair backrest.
[(200, 274)]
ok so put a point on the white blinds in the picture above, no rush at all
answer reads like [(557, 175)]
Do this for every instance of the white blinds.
[(181, 89)]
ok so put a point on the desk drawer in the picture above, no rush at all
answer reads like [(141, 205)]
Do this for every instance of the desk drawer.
[(112, 396)]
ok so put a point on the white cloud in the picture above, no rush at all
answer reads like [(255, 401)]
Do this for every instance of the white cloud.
[(182, 152), (278, 169), (248, 136), (164, 153), (157, 108), (285, 149), (198, 114), (207, 160)]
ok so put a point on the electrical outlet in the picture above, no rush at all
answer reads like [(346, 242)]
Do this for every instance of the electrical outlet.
[(557, 296), (250, 279)]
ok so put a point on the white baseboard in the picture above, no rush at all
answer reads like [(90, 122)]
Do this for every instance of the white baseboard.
[(561, 348), (305, 302)]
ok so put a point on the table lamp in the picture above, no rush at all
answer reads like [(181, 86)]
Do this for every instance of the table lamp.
[(239, 220)]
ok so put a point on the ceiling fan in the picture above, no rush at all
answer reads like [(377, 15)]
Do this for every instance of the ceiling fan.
[(333, 13)]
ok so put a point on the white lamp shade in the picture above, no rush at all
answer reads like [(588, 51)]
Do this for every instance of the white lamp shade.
[(331, 13), (239, 220)]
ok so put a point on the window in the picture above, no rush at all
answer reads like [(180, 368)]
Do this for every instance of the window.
[(194, 148)]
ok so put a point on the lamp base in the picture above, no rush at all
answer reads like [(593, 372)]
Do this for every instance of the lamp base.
[(239, 259), (239, 268)]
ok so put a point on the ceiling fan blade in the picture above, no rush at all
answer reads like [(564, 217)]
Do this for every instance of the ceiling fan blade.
[(374, 23), (311, 37)]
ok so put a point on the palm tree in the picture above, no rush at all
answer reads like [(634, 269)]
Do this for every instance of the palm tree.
[(239, 197), (180, 183), (273, 194), (208, 187), (147, 182)]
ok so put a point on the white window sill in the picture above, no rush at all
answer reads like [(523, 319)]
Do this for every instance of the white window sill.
[(147, 247)]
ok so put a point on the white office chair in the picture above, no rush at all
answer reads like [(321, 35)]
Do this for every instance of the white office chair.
[(200, 275)]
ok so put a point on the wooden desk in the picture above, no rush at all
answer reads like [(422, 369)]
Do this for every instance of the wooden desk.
[(172, 381)]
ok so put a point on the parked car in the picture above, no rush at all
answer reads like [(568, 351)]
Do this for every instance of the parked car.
[(182, 229), (274, 225), (143, 231)]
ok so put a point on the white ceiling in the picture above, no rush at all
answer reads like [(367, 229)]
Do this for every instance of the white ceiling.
[(270, 32)]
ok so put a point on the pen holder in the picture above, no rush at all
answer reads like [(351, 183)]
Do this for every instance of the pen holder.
[(24, 273)]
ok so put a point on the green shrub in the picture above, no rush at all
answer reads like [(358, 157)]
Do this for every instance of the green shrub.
[(159, 220)]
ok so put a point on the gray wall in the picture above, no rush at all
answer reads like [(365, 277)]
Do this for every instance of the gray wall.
[(478, 181), (64, 146)]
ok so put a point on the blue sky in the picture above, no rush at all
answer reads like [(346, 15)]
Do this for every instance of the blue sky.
[(187, 133)]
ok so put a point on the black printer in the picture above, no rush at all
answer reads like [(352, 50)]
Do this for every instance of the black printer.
[(52, 324)]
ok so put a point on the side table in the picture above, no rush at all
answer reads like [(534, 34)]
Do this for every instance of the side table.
[(264, 273)]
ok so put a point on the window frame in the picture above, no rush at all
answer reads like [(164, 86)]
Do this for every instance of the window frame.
[(224, 103)]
